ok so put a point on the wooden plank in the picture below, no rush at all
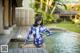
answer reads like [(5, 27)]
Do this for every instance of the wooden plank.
[(34, 51), (20, 50), (10, 51), (44, 50), (25, 50), (28, 50), (15, 50), (39, 50), (30, 46)]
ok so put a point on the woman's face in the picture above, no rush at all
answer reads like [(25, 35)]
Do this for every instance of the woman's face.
[(39, 22)]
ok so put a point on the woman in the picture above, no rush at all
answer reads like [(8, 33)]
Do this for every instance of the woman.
[(36, 30)]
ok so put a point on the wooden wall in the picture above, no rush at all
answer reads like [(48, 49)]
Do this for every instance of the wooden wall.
[(24, 17), (1, 17)]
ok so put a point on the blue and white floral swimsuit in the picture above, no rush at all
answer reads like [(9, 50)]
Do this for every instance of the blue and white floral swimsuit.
[(37, 33)]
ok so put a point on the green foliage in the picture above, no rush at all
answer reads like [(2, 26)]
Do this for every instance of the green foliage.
[(47, 16)]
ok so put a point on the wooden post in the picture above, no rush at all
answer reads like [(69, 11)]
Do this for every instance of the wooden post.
[(6, 14), (1, 17)]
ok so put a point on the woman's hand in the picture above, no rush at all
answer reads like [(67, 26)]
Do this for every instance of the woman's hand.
[(49, 34)]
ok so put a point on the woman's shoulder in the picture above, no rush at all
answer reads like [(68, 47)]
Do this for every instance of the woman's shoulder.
[(32, 27)]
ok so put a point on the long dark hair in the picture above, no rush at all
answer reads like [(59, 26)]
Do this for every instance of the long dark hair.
[(38, 17)]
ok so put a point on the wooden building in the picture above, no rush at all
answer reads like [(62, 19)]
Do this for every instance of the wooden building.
[(7, 13), (65, 15)]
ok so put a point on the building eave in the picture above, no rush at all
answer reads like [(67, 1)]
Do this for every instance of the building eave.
[(18, 3)]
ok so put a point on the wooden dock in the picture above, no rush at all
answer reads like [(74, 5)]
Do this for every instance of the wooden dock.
[(28, 50)]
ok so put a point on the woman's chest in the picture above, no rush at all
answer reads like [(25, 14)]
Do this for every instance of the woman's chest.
[(37, 30)]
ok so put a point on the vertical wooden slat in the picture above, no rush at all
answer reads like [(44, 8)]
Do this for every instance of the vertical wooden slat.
[(10, 51), (15, 50), (20, 50), (45, 51), (26, 50)]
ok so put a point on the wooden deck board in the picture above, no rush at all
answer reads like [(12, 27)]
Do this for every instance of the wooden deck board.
[(10, 51), (20, 50), (44, 50), (15, 50), (27, 50), (34, 51), (39, 50), (30, 46)]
